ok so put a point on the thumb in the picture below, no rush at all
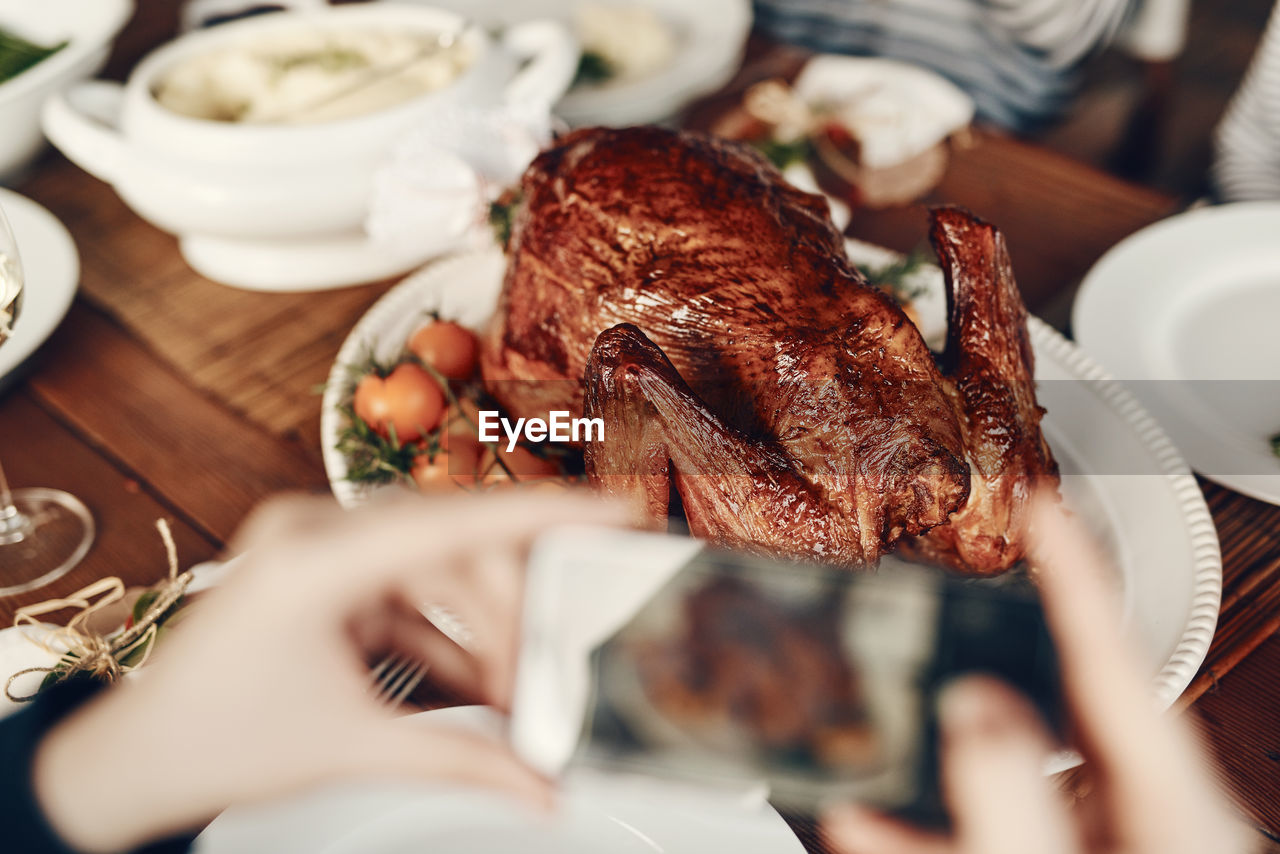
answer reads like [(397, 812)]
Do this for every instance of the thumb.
[(443, 754), (993, 751)]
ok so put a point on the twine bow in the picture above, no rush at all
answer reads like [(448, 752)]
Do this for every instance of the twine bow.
[(85, 651)]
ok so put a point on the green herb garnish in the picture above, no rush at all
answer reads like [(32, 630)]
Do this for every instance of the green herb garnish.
[(502, 214), (894, 278), (370, 457), (593, 68), (784, 154), (17, 54), (1275, 444)]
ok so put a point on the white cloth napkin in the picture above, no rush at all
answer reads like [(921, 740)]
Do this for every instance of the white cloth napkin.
[(18, 652), (435, 189), (895, 110)]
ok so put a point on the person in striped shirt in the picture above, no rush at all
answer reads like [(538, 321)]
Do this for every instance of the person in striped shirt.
[(1246, 164), (1018, 59)]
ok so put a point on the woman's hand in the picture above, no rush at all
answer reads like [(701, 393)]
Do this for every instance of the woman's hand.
[(265, 690), (1154, 793)]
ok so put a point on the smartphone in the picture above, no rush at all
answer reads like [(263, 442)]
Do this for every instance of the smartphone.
[(657, 656)]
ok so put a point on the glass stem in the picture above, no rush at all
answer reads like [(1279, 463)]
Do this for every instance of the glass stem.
[(13, 525), (6, 497)]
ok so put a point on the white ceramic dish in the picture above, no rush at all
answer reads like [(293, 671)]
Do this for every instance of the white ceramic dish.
[(52, 273), (463, 288), (1187, 313), (711, 36), (90, 27), (281, 207), (1120, 472), (596, 814)]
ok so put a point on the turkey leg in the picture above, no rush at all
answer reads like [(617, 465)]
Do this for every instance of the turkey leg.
[(735, 491), (990, 369)]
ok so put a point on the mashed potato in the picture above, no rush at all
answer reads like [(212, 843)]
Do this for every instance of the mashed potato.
[(631, 40), (310, 76)]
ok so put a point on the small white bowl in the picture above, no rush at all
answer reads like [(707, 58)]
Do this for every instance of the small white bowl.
[(711, 36), (89, 27), (280, 207)]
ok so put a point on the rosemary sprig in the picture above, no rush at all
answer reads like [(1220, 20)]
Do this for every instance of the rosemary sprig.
[(372, 458)]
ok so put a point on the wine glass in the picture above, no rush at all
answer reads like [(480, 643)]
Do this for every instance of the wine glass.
[(43, 532)]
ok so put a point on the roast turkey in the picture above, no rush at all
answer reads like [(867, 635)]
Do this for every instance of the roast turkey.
[(678, 287)]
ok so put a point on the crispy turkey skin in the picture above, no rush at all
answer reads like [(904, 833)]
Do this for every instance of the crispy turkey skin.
[(991, 370), (676, 286)]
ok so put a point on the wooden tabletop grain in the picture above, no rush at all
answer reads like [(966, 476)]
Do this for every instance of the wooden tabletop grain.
[(166, 395)]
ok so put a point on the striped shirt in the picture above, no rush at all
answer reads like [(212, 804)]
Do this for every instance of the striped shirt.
[(1246, 164), (1017, 59)]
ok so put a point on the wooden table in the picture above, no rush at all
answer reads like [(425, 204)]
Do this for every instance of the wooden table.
[(163, 394)]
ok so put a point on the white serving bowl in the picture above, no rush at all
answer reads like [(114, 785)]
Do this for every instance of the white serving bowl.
[(253, 203), (90, 26), (711, 36)]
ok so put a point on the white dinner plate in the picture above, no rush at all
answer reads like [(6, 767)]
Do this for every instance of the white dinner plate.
[(1119, 470), (596, 813), (52, 272), (710, 38), (1186, 312)]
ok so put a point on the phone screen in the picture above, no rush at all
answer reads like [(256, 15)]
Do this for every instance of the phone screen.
[(820, 681)]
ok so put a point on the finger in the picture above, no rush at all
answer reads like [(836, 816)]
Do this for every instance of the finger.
[(1118, 726), (411, 533), (282, 516), (1083, 612), (854, 829), (1149, 762), (477, 602), (993, 751), (495, 612), (444, 754), (481, 593), (449, 665)]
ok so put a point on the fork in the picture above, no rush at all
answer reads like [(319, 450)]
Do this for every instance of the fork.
[(394, 678)]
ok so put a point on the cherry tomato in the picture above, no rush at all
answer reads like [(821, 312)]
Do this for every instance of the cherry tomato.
[(432, 474), (455, 424), (408, 399), (469, 457), (449, 348), (461, 461)]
